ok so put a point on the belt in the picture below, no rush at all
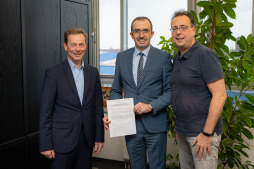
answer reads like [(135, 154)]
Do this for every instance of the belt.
[(138, 117)]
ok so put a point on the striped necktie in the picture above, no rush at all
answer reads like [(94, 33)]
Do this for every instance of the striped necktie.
[(140, 68)]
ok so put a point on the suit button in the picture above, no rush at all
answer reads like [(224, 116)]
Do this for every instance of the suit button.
[(137, 93)]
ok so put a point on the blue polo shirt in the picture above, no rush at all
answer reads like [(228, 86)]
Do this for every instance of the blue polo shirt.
[(191, 96)]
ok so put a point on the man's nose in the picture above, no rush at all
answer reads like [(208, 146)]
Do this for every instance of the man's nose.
[(141, 34), (178, 31), (77, 47)]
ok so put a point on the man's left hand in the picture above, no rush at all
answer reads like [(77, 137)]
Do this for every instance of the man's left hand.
[(141, 108), (203, 145), (97, 147)]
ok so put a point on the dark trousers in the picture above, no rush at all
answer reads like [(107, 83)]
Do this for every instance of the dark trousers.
[(79, 158), (154, 144)]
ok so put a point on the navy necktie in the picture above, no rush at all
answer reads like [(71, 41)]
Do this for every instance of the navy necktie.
[(140, 68)]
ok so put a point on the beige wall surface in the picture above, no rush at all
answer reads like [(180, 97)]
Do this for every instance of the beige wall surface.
[(114, 149), (250, 152)]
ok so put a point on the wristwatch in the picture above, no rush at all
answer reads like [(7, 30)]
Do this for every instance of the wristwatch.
[(150, 106)]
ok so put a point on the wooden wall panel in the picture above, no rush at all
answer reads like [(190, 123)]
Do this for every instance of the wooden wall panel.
[(14, 156), (30, 41), (34, 159), (42, 49), (11, 79)]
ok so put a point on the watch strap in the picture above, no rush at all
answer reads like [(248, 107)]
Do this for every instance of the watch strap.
[(207, 134)]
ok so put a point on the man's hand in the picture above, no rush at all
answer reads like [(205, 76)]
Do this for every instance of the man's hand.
[(97, 147), (49, 154), (141, 108), (203, 144), (106, 122)]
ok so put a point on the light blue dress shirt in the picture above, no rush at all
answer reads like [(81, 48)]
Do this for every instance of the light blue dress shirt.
[(135, 61), (78, 75)]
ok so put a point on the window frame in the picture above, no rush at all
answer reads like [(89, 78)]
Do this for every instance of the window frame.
[(95, 61)]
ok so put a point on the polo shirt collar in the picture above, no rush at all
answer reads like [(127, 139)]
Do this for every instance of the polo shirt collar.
[(187, 54)]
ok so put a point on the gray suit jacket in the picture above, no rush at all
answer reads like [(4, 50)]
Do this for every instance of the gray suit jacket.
[(154, 86)]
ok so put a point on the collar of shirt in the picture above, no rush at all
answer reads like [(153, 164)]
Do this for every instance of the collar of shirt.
[(135, 61), (146, 51), (73, 66), (78, 76), (188, 53)]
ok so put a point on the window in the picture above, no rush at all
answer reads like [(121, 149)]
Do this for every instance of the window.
[(109, 35), (243, 21), (158, 12), (160, 15)]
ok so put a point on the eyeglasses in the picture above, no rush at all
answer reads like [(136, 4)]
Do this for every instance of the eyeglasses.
[(182, 28), (74, 45), (138, 31)]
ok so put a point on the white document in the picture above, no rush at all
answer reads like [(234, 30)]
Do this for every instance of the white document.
[(122, 117)]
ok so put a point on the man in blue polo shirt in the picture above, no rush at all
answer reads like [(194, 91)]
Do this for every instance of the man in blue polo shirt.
[(198, 96)]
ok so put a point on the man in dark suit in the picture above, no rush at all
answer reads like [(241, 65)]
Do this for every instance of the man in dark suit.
[(143, 74), (71, 108)]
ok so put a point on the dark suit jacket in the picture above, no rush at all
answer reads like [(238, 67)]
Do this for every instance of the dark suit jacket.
[(154, 86), (62, 114)]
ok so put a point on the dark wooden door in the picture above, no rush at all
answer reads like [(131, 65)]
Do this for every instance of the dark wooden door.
[(75, 14)]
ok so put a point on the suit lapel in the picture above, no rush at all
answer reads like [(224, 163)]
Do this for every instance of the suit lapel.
[(129, 64), (147, 65), (86, 82), (70, 78)]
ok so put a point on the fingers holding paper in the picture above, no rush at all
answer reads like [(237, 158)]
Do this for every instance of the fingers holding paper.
[(106, 122)]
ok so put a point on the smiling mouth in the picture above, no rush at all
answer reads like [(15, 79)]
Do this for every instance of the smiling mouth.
[(141, 41)]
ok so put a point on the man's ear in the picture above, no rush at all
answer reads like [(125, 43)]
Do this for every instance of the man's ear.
[(131, 35), (152, 33), (65, 46), (194, 29)]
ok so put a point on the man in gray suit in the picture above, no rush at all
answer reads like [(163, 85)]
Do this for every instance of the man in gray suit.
[(143, 73)]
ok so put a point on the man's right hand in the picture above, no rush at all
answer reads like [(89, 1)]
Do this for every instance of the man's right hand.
[(106, 122), (49, 154)]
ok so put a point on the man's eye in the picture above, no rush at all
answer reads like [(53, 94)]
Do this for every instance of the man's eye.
[(136, 30), (183, 27)]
